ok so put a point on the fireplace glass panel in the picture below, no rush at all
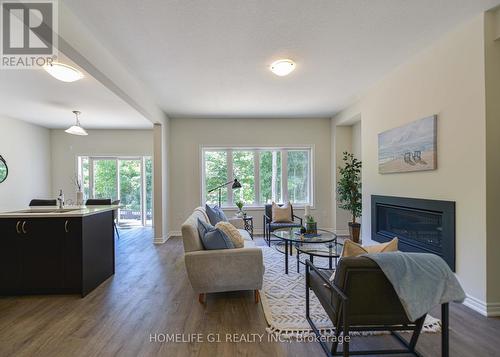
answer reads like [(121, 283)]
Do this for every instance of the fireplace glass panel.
[(423, 227)]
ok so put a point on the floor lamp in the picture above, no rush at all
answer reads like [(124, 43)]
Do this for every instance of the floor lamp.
[(235, 185)]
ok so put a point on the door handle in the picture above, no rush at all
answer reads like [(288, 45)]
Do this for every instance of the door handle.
[(18, 230), (23, 227), (66, 228)]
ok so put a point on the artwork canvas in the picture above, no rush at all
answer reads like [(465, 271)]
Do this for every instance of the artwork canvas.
[(411, 147)]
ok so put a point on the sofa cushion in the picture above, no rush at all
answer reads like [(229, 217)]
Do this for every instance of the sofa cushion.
[(212, 237), (245, 234), (232, 233), (215, 214)]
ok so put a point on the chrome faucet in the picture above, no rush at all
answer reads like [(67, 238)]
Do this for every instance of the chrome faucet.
[(60, 199)]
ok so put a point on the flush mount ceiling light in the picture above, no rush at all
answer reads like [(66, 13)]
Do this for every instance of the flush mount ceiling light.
[(282, 67), (77, 128), (63, 72)]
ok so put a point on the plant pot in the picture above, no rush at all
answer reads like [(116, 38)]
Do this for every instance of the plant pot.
[(354, 229), (311, 228)]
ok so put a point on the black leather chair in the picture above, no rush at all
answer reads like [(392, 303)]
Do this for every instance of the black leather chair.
[(98, 202), (361, 298), (105, 202), (37, 202), (270, 226)]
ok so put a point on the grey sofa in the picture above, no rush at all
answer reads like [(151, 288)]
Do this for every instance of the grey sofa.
[(211, 271)]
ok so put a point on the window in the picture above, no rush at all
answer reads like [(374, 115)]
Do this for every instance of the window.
[(215, 175), (243, 168), (270, 176), (265, 174), (298, 176)]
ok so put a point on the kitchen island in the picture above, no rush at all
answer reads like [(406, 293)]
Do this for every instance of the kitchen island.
[(47, 250)]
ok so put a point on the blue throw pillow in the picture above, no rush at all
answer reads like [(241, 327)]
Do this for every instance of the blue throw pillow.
[(215, 214), (213, 238)]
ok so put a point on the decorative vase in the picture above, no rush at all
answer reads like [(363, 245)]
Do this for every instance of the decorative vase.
[(354, 229), (79, 198)]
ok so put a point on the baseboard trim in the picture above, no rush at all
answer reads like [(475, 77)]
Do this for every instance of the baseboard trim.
[(160, 240), (174, 234), (491, 309)]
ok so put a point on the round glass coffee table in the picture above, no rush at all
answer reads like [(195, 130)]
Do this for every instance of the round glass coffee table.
[(331, 251), (292, 237)]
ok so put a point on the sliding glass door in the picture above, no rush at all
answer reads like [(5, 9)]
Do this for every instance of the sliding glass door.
[(128, 179), (104, 179), (130, 184)]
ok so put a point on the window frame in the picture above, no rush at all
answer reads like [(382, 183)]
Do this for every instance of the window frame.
[(257, 150)]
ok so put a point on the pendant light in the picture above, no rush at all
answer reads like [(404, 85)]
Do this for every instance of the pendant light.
[(77, 128)]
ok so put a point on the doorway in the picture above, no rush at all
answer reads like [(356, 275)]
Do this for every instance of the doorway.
[(128, 179)]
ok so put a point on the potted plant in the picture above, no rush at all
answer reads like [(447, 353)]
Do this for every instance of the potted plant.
[(311, 225), (239, 204), (349, 192)]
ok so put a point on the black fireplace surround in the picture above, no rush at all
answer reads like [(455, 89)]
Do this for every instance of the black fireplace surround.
[(425, 226)]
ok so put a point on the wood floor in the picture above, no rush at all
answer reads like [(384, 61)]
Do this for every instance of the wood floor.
[(150, 294)]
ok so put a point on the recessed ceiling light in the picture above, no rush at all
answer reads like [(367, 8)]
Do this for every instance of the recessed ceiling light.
[(77, 128), (63, 72), (282, 67)]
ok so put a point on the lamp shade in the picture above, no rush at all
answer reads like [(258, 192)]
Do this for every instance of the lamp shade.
[(236, 184), (77, 128)]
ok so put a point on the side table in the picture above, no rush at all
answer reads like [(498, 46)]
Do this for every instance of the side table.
[(248, 220)]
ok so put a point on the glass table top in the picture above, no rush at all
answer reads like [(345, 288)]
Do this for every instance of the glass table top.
[(331, 249), (293, 235)]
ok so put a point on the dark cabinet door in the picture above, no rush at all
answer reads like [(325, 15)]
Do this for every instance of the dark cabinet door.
[(72, 255), (9, 255), (42, 251)]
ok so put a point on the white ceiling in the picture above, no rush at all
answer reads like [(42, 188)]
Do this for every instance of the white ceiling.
[(211, 58), (34, 96)]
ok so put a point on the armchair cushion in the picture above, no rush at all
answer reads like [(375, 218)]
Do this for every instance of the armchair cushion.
[(215, 214), (352, 249), (282, 213), (212, 237), (268, 211)]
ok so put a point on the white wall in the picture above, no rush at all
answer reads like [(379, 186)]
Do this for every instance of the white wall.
[(66, 148), (492, 63), (447, 79), (187, 135), (356, 143), (26, 148)]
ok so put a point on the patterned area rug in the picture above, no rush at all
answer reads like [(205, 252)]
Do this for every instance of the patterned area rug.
[(283, 300)]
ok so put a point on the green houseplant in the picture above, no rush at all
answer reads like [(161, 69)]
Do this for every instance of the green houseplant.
[(239, 204), (311, 225), (349, 191)]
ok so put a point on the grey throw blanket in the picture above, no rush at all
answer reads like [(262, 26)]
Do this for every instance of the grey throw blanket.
[(421, 280)]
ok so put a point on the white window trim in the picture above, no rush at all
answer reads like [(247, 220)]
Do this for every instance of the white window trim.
[(257, 150)]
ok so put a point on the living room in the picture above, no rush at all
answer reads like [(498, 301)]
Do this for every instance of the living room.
[(257, 162)]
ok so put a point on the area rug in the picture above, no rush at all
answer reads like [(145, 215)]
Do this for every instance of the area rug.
[(283, 301)]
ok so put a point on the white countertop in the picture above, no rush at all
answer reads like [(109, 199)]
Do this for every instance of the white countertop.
[(54, 211)]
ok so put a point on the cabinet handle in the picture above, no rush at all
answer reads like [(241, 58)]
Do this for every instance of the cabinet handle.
[(23, 227), (18, 230), (66, 229)]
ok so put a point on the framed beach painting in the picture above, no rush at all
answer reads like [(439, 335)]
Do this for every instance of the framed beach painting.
[(412, 147)]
